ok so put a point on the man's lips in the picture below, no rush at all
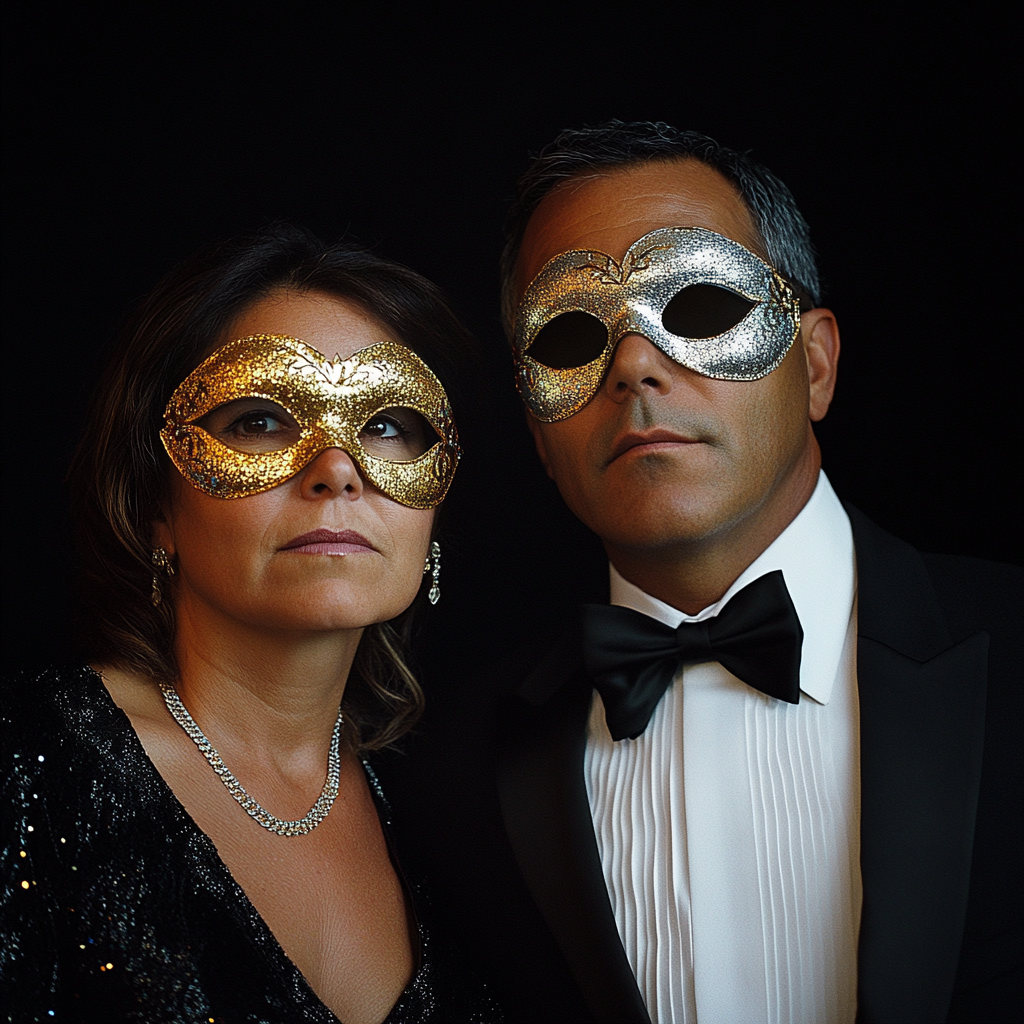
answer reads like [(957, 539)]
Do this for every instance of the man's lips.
[(652, 438), (329, 542)]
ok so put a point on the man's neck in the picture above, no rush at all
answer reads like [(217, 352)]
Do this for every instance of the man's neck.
[(691, 574)]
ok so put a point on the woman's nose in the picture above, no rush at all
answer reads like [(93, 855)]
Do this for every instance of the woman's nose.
[(332, 473)]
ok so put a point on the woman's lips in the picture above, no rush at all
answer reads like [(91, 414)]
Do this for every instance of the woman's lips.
[(328, 542)]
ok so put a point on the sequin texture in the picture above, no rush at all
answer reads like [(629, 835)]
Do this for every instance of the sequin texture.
[(331, 400), (129, 914)]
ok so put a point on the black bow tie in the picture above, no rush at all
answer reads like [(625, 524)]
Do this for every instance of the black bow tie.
[(632, 658)]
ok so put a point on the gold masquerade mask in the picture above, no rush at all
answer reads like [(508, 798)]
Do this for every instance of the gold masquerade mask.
[(259, 409), (706, 301)]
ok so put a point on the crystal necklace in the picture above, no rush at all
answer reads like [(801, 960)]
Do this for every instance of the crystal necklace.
[(271, 822)]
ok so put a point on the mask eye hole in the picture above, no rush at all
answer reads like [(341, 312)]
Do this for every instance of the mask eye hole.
[(704, 311), (397, 435), (569, 340), (252, 425)]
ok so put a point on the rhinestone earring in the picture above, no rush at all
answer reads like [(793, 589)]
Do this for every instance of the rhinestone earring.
[(161, 564), (432, 564)]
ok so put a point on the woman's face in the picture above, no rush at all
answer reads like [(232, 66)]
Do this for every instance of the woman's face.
[(253, 559)]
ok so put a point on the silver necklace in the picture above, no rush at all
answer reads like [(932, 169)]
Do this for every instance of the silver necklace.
[(271, 822)]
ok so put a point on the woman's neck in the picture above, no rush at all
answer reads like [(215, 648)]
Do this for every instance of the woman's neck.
[(261, 688)]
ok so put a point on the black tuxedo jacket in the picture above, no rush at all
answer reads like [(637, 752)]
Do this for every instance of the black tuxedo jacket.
[(940, 666)]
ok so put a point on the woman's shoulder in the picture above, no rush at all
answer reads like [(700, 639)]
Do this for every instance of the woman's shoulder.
[(48, 689), (65, 744), (58, 706)]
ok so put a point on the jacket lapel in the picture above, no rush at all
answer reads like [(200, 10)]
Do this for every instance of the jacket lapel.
[(922, 715), (547, 817)]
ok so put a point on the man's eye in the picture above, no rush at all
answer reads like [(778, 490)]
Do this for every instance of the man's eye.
[(569, 340), (704, 311)]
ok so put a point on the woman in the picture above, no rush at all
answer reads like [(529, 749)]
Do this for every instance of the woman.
[(197, 834)]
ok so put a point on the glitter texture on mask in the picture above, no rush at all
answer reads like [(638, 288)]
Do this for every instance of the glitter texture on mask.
[(331, 400), (630, 298)]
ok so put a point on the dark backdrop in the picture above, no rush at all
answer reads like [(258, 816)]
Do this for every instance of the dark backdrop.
[(131, 142)]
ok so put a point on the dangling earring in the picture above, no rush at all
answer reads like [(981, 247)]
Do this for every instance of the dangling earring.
[(161, 564), (435, 586)]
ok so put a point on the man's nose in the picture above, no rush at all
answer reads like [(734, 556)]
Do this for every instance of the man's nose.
[(638, 368), (332, 473)]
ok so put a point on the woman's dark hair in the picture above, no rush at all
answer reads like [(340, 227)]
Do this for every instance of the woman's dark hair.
[(120, 473)]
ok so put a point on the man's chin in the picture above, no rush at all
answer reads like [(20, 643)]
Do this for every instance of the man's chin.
[(643, 522), (690, 477)]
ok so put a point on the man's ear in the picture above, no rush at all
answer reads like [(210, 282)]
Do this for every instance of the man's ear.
[(820, 334), (536, 428)]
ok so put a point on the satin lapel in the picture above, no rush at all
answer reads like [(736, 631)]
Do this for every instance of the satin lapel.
[(547, 817), (922, 716)]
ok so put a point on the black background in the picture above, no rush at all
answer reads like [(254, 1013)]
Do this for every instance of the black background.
[(131, 141)]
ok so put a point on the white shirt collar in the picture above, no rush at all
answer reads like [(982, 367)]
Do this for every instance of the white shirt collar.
[(815, 554)]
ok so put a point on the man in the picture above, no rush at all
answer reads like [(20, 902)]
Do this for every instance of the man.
[(772, 779)]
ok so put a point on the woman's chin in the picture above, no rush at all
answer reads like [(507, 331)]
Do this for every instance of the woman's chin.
[(323, 610)]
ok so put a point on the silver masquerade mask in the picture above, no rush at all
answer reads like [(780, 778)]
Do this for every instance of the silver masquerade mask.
[(706, 301)]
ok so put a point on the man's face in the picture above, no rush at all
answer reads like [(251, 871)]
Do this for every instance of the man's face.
[(662, 457)]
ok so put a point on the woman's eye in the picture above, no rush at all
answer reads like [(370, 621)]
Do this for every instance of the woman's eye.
[(251, 425), (256, 423), (385, 427), (397, 435)]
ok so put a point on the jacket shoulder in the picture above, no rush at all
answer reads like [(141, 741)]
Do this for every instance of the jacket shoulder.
[(922, 603), (976, 594)]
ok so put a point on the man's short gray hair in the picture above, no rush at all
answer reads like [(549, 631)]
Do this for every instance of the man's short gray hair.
[(582, 151)]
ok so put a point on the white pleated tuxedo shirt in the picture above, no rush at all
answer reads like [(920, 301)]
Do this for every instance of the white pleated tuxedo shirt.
[(729, 830)]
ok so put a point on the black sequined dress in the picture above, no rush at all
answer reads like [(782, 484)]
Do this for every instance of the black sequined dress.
[(116, 906)]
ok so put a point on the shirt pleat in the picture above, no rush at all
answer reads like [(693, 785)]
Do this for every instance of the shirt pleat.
[(728, 830)]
